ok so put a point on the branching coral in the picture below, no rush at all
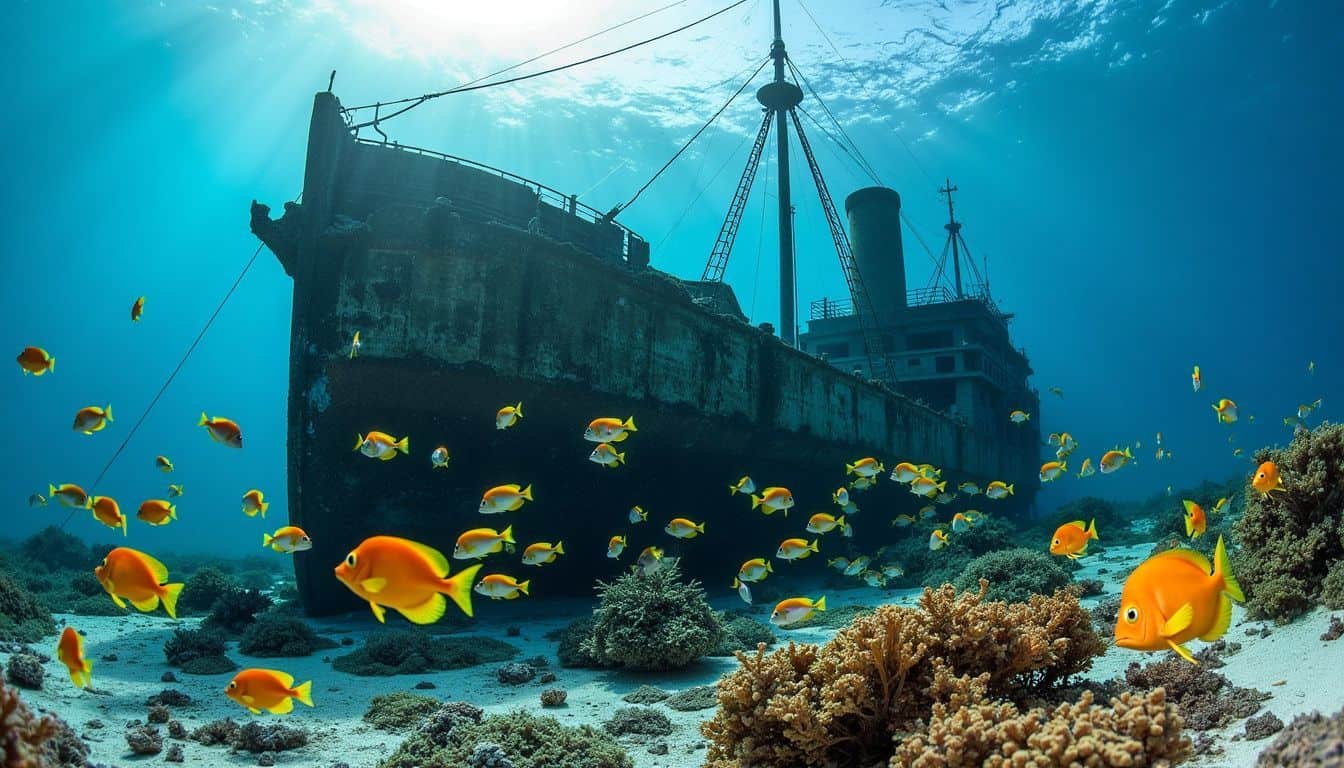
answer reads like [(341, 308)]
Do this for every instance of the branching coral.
[(1292, 541), (27, 741), (236, 609), (841, 704), (653, 622)]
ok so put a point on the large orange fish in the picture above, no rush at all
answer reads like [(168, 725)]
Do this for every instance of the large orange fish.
[(1174, 597), (139, 578), (70, 652), (406, 575), (106, 511), (222, 430), (1195, 521), (36, 361), (1071, 539), (1267, 479), (268, 689)]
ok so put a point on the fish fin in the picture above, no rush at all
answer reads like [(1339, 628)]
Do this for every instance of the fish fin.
[(170, 594), (379, 612), (820, 605), (428, 612), (620, 458), (1183, 652), (813, 546), (1223, 568), (304, 693), (172, 511), (77, 677), (1091, 532), (51, 490), (266, 539), (116, 598), (204, 420), (124, 521), (1079, 523), (518, 409), (560, 546), (285, 706), (159, 570), (630, 424), (1189, 525), (390, 455), (522, 587), (265, 505), (108, 412), (247, 699), (434, 556), (1192, 556), (359, 440), (146, 605), (458, 588), (373, 585), (732, 490), (507, 535), (1179, 621), (404, 444), (526, 493), (755, 500), (849, 469), (768, 567), (1221, 623)]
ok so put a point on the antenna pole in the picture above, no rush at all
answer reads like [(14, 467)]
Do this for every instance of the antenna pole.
[(953, 234), (779, 99)]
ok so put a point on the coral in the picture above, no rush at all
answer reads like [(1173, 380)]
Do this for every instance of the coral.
[(553, 697), (174, 754), (198, 652), (645, 694), (144, 740), (1291, 541), (528, 741), (1133, 731), (216, 732), (236, 609), (842, 703), (202, 589), (169, 697), (57, 550), (487, 755), (1334, 630), (1206, 698), (25, 670), (1263, 726), (692, 699), (272, 737), (410, 652), (27, 741), (273, 635), (1015, 574), (642, 721), (23, 618), (176, 729), (1332, 587), (1089, 587), (158, 714), (742, 633), (515, 673), (652, 621), (1311, 741), (399, 711), (573, 651)]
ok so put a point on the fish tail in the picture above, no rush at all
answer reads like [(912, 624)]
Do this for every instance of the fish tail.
[(51, 364), (266, 540), (172, 511), (1010, 488), (204, 420), (700, 528), (51, 490), (840, 521), (820, 605), (527, 492), (630, 425), (507, 535), (559, 547), (732, 490), (170, 593), (304, 693), (755, 500), (404, 444), (942, 486), (768, 567), (458, 588), (1092, 529), (849, 469), (108, 412), (620, 458), (518, 409), (1064, 466), (123, 525), (813, 546), (359, 440), (265, 505), (522, 586), (1222, 568)]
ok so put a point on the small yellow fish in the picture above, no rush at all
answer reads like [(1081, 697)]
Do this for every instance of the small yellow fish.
[(355, 344), (637, 514), (1226, 411), (268, 689), (1019, 417), (508, 415), (927, 512), (969, 488), (795, 549), (857, 565), (863, 483), (1219, 506), (222, 430), (1174, 597), (755, 569), (163, 464), (607, 456), (649, 560), (865, 467), (438, 458), (903, 521), (1086, 470), (615, 546), (36, 361), (795, 609), (410, 577), (961, 523), (923, 486), (93, 419), (1067, 442), (69, 495), (505, 498), (930, 471), (743, 591), (137, 309), (1196, 381), (682, 528), (106, 511), (381, 446), (479, 542), (609, 430), (1053, 470), (999, 490), (773, 499), (840, 496), (1071, 539), (824, 523), (904, 472), (287, 540), (745, 485), (1195, 521), (139, 578), (1053, 439), (174, 490), (1113, 460), (70, 652), (838, 563), (498, 586), (1303, 411), (937, 539), (1057, 392), (157, 512), (893, 571), (874, 579), (1267, 479), (254, 501), (542, 553), (944, 498)]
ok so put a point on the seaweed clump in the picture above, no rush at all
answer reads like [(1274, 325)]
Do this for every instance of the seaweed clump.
[(198, 652), (1014, 575), (23, 618), (1292, 541), (652, 622), (235, 610), (400, 710), (203, 588), (28, 741), (572, 638), (842, 703), (1311, 741), (404, 652), (524, 739), (273, 635)]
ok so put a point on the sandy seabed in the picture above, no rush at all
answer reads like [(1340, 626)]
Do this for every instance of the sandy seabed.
[(1291, 663)]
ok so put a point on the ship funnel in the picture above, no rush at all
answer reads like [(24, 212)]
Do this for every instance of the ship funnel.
[(875, 237)]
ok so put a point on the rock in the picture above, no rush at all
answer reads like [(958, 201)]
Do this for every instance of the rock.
[(515, 673), (174, 754), (487, 755), (144, 740), (692, 699), (266, 758), (1263, 726), (158, 714), (1334, 631), (168, 677), (169, 697), (1312, 741), (659, 748), (645, 694), (109, 657), (176, 729), (639, 721), (25, 671), (425, 685), (94, 724), (553, 697), (549, 677)]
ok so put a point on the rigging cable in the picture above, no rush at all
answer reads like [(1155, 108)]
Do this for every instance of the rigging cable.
[(416, 101), (760, 237), (192, 348), (612, 213), (868, 168)]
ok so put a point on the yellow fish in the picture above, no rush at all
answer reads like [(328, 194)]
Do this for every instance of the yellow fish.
[(93, 419), (70, 652), (1086, 470), (1303, 411), (607, 456), (609, 430), (69, 495), (795, 549), (508, 415), (969, 488), (743, 591), (795, 609), (505, 498), (253, 502), (1113, 460), (438, 458), (1219, 506), (163, 464), (902, 521), (174, 490), (139, 578), (1226, 411), (1019, 417), (1071, 539), (649, 560), (682, 528), (157, 512), (865, 467), (863, 483), (1174, 597), (824, 523), (287, 540), (615, 546), (36, 361), (961, 523), (904, 472), (637, 514), (106, 511), (874, 579), (745, 485), (382, 446), (479, 542), (923, 486), (1053, 470), (222, 430), (773, 499), (355, 344), (268, 689), (542, 553), (498, 586), (755, 569), (407, 576), (1267, 479), (999, 490), (937, 539), (1196, 381)]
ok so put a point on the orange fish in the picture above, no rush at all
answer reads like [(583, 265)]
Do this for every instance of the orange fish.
[(70, 652), (137, 309), (1174, 597), (1266, 479), (36, 361), (1071, 539), (268, 689), (92, 419), (157, 512), (254, 501), (106, 511), (406, 575), (795, 549), (381, 446), (1195, 522), (287, 540), (139, 578), (222, 430)]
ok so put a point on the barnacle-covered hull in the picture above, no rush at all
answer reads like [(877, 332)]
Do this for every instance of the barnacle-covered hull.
[(472, 290)]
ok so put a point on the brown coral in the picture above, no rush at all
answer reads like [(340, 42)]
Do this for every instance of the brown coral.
[(881, 675), (27, 741), (1135, 731), (1290, 540)]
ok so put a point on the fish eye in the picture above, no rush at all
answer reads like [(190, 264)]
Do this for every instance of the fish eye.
[(232, 686), (1132, 614), (350, 559), (1055, 542)]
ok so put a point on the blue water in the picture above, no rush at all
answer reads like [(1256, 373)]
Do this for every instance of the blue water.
[(1153, 184)]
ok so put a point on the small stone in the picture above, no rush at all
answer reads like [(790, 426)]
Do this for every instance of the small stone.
[(266, 758), (94, 724), (1334, 631), (1263, 726), (144, 740), (645, 694), (515, 673), (1103, 571), (25, 671), (168, 677), (425, 685), (658, 749), (553, 697), (169, 697), (1279, 682), (158, 714), (174, 754), (549, 677), (176, 729)]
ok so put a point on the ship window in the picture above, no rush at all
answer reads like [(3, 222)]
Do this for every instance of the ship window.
[(929, 340), (834, 349), (945, 364)]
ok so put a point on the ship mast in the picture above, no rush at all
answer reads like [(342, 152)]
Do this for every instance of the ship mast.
[(953, 234), (778, 98)]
